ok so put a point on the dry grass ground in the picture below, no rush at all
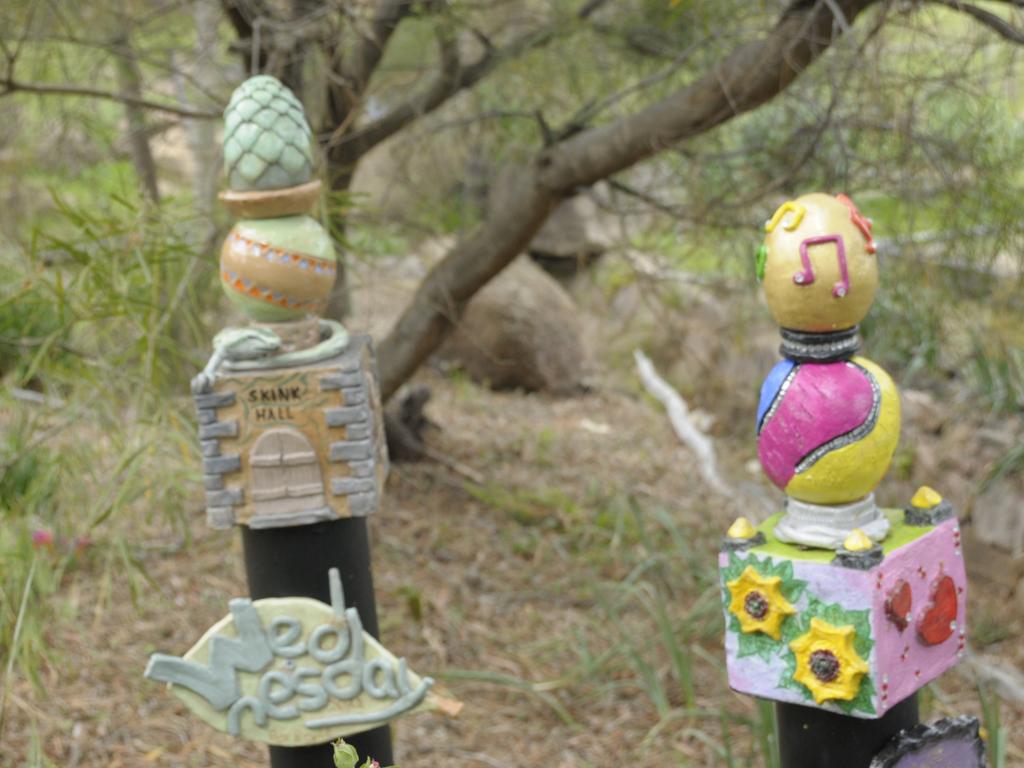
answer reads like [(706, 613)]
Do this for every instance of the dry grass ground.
[(534, 598), (569, 600)]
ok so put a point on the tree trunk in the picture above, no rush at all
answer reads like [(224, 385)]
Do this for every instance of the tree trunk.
[(339, 304), (130, 83), (519, 205), (201, 134), (752, 74)]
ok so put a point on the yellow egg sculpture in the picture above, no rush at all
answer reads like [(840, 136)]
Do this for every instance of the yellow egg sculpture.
[(828, 420), (820, 271)]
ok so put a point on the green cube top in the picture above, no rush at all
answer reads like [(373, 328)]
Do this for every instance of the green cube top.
[(900, 535)]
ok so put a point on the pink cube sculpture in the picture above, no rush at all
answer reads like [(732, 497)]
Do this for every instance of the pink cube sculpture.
[(855, 635)]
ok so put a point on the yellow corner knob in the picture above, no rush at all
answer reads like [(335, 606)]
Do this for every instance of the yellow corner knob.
[(741, 529), (857, 541), (926, 497)]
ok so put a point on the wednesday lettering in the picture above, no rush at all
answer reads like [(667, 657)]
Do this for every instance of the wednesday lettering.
[(327, 665)]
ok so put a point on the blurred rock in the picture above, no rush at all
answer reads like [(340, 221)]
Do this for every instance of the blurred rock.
[(430, 251), (997, 518), (579, 225), (921, 409), (522, 331), (573, 237)]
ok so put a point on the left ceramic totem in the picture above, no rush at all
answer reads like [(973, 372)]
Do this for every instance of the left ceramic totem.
[(289, 416), (293, 452), (837, 608)]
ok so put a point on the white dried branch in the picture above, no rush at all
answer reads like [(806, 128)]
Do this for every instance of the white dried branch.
[(34, 398), (682, 423)]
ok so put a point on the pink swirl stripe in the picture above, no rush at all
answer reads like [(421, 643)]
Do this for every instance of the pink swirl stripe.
[(822, 402)]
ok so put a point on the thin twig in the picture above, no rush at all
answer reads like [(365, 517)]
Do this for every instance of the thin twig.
[(840, 16), (9, 86), (455, 466), (997, 24), (14, 640), (589, 8), (585, 115), (34, 398)]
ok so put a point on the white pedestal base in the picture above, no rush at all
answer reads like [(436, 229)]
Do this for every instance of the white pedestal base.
[(826, 527)]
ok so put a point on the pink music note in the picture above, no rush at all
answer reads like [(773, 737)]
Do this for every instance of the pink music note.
[(806, 277)]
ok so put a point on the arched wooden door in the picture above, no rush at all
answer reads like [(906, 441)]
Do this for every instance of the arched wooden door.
[(285, 474)]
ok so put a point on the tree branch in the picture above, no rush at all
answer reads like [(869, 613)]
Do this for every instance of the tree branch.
[(519, 209), (589, 8), (367, 52), (130, 81), (751, 75), (348, 85), (242, 15), (994, 22), (452, 78), (525, 195), (9, 86)]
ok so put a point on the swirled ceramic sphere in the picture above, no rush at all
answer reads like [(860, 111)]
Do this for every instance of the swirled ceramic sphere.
[(280, 269), (827, 432), (818, 262), (267, 141)]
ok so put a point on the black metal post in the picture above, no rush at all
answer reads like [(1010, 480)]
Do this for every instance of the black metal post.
[(815, 738), (293, 562)]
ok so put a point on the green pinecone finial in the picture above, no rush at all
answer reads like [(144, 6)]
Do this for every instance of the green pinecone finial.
[(267, 141)]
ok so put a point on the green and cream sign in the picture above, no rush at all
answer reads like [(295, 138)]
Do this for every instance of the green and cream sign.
[(294, 671)]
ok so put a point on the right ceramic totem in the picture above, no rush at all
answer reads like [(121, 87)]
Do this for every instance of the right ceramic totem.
[(839, 609)]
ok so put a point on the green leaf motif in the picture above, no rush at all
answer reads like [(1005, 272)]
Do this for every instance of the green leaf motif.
[(863, 643), (761, 261), (757, 643)]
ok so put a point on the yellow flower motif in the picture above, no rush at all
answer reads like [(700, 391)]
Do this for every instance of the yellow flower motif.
[(827, 663), (758, 602)]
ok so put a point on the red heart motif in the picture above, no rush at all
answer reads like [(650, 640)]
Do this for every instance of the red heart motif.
[(938, 620), (899, 604)]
